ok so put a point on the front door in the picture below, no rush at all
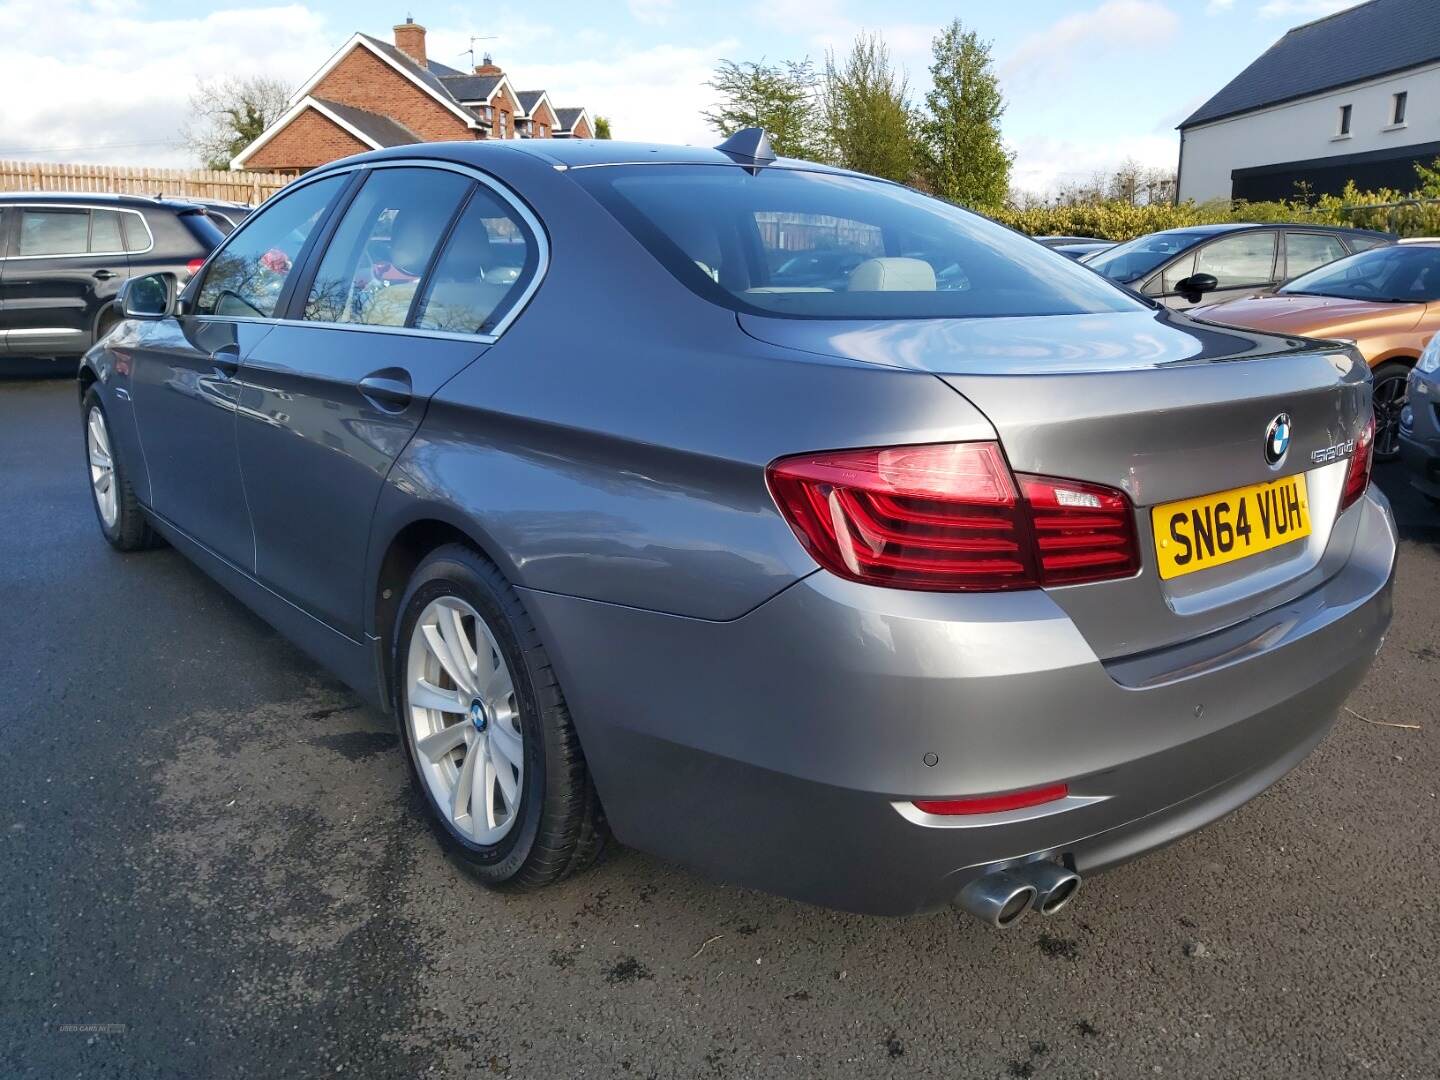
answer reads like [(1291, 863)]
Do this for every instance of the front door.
[(183, 376), (1243, 264), (65, 263), (333, 396)]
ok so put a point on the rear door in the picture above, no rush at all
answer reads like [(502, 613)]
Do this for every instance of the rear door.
[(400, 296), (64, 265), (1304, 251)]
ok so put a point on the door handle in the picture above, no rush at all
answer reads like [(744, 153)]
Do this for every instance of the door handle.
[(103, 275), (388, 390), (226, 360)]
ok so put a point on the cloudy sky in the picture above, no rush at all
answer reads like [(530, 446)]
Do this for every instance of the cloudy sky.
[(1089, 82)]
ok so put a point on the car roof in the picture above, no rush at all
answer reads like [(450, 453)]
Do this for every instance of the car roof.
[(1219, 227), (94, 197), (579, 153)]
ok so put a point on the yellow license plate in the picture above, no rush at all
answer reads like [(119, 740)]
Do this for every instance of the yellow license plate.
[(1196, 534)]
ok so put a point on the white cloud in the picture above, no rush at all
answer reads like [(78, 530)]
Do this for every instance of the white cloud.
[(1303, 9), (88, 80), (655, 12), (1043, 163), (1114, 26), (1216, 7)]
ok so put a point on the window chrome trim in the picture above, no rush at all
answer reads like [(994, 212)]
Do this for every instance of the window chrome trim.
[(505, 194), (87, 207)]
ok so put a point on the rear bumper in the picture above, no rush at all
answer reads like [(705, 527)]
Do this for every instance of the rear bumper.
[(774, 750)]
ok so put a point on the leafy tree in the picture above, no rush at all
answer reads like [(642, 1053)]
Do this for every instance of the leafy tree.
[(228, 115), (602, 127), (965, 161), (781, 98), (868, 119), (1429, 179)]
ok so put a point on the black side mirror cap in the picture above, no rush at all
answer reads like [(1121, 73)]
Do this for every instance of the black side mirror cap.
[(148, 297), (1196, 285)]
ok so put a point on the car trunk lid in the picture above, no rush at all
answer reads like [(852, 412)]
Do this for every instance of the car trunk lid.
[(1159, 407)]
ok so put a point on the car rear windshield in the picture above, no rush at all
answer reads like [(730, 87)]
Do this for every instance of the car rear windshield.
[(804, 244), (1134, 259), (205, 231), (1398, 274)]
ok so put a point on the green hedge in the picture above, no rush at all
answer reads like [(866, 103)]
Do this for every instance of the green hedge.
[(1121, 221)]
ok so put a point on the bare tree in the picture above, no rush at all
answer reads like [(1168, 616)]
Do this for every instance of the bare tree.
[(227, 115)]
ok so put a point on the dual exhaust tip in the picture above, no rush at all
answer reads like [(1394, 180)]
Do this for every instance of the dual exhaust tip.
[(1002, 897)]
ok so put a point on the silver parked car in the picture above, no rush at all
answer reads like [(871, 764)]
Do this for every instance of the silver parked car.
[(948, 581), (1212, 263)]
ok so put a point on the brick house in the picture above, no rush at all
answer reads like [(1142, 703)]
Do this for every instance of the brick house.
[(373, 94)]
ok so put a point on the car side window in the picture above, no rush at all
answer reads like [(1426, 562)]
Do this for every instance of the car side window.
[(1176, 272), (247, 276), (490, 258), (137, 233), (54, 232), (386, 241), (1246, 259), (1305, 251), (105, 233)]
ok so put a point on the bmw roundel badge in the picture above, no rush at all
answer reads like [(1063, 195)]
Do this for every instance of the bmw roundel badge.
[(1277, 440)]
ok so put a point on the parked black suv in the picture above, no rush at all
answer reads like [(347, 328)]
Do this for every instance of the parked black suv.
[(64, 255)]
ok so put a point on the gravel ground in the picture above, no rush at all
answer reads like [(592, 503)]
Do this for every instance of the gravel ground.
[(212, 865)]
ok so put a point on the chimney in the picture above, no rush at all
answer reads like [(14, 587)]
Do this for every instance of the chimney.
[(410, 39), (487, 67)]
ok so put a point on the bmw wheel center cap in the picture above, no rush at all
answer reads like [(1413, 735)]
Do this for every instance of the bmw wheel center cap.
[(478, 716)]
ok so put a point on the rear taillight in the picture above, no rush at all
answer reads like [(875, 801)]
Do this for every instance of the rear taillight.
[(995, 804), (1357, 477), (952, 518), (193, 267)]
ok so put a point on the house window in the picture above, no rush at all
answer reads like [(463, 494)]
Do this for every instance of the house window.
[(1344, 120), (1397, 107)]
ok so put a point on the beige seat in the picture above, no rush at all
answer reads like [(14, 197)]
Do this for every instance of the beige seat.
[(893, 275)]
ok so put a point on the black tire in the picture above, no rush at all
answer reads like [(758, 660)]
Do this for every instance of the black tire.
[(1388, 406), (131, 530), (106, 321), (560, 826)]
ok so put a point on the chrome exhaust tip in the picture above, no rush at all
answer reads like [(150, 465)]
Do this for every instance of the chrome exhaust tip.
[(998, 899), (1055, 885)]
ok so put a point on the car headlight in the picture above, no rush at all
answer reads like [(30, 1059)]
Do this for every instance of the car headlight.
[(1430, 358)]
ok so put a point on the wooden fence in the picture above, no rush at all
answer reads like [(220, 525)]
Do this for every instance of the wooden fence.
[(245, 187)]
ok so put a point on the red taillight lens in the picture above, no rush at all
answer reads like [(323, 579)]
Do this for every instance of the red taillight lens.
[(1357, 479), (193, 267), (995, 804), (950, 517)]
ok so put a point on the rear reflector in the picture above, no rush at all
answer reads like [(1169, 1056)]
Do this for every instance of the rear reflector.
[(951, 517), (1357, 478), (995, 804)]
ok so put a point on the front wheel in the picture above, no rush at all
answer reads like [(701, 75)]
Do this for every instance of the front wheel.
[(116, 507), (486, 728), (1391, 390)]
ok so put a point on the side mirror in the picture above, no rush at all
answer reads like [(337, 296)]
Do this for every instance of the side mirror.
[(149, 297), (1196, 285)]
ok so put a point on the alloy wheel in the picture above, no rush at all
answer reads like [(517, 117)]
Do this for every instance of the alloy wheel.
[(464, 720), (1389, 399), (102, 467)]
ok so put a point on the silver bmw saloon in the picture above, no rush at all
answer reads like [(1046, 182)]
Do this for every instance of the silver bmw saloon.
[(779, 520)]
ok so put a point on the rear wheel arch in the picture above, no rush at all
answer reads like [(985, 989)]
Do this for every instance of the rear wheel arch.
[(87, 378), (406, 549)]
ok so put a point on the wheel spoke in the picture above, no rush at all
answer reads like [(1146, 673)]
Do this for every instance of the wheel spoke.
[(505, 777), (102, 483), (453, 667), (496, 684), (442, 742), (99, 458), (464, 784), (483, 795), (424, 695), (505, 744), (452, 629)]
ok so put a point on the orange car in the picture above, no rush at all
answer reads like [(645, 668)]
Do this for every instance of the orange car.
[(1385, 300)]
